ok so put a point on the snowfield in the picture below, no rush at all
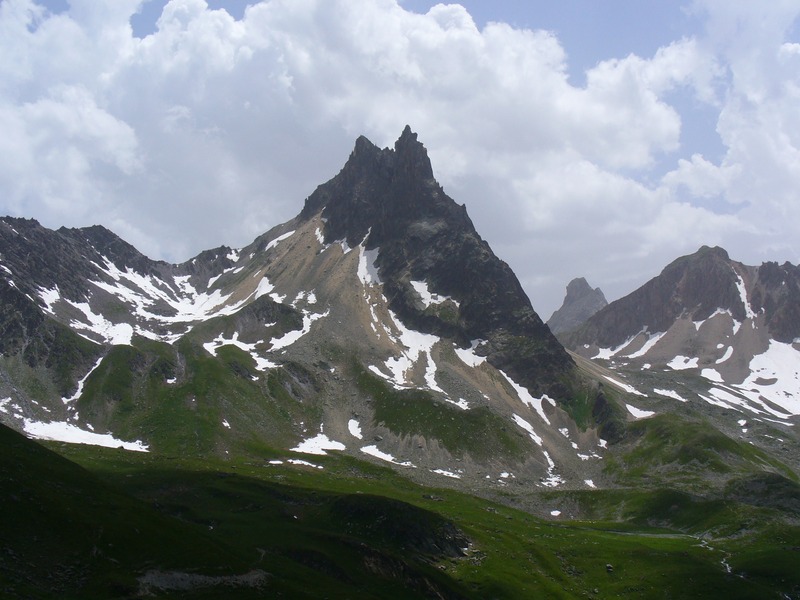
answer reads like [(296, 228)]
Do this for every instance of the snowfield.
[(67, 432)]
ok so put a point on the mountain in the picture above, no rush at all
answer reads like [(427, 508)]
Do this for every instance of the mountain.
[(377, 323), (711, 333), (362, 402), (580, 303)]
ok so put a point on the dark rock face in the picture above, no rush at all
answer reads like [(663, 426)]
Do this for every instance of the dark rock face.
[(777, 294), (580, 303), (388, 199)]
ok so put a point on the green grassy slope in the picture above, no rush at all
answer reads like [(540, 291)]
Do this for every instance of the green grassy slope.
[(353, 529)]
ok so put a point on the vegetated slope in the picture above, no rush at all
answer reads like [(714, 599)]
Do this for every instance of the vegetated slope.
[(377, 323), (351, 528), (69, 533)]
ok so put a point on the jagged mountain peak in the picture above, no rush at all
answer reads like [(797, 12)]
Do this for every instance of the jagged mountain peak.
[(382, 191), (693, 286), (381, 288), (408, 159), (389, 200), (111, 247), (581, 302), (578, 287)]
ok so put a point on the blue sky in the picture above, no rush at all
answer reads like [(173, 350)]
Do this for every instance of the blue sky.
[(585, 138)]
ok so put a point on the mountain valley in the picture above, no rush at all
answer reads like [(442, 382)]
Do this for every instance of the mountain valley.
[(365, 398)]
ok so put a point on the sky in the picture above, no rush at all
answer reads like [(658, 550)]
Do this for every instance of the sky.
[(587, 139)]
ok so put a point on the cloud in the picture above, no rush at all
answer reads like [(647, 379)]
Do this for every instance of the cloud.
[(211, 130)]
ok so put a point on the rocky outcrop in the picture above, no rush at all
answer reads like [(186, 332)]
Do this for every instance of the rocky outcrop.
[(580, 303)]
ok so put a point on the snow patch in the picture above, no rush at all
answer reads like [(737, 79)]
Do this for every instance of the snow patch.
[(628, 388), (304, 463), (416, 345), (81, 383), (372, 450), (49, 297), (429, 298), (638, 413), (468, 356), (66, 432), (116, 334), (743, 295), (775, 375), (262, 364), (680, 363), (263, 288), (726, 356), (446, 473), (278, 240), (460, 403), (648, 345), (291, 337), (608, 353), (367, 272), (527, 427), (552, 479), (318, 445), (354, 427), (670, 394), (712, 375), (527, 399)]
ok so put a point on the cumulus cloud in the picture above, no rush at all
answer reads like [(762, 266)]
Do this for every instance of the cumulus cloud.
[(212, 129)]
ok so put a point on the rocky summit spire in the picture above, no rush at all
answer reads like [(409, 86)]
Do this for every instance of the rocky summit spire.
[(411, 157), (380, 190)]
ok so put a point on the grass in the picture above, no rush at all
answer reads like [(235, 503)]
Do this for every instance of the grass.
[(354, 529), (179, 398), (89, 526), (668, 447), (478, 432)]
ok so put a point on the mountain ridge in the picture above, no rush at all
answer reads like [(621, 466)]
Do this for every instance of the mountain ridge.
[(709, 332), (320, 400)]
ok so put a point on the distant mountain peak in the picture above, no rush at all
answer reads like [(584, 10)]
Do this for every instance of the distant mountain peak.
[(715, 251), (580, 303)]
